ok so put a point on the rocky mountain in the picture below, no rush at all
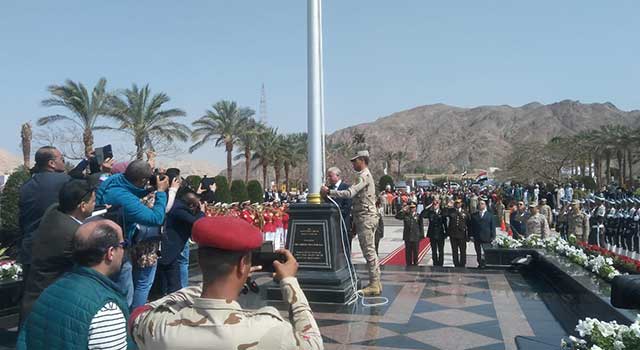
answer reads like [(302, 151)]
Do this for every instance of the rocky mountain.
[(8, 162), (441, 138)]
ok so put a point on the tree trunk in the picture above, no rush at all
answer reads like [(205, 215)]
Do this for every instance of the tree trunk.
[(630, 163), (139, 150), (87, 139), (229, 149), (286, 175), (608, 165), (623, 168), (264, 175), (26, 136), (276, 169), (620, 168), (247, 164)]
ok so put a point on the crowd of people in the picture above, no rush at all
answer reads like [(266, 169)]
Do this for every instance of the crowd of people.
[(95, 239)]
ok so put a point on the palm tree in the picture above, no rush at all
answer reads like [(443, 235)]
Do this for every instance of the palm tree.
[(140, 114), (26, 135), (85, 109), (295, 152), (266, 150), (224, 124), (247, 140)]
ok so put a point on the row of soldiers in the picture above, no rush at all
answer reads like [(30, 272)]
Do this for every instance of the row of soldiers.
[(603, 221)]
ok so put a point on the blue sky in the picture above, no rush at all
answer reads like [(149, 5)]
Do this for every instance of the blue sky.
[(380, 56)]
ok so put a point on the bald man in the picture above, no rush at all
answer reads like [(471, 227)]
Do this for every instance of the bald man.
[(84, 309)]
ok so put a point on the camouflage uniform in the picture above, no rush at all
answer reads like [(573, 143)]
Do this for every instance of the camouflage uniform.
[(538, 225), (183, 320), (365, 219), (578, 225), (546, 211)]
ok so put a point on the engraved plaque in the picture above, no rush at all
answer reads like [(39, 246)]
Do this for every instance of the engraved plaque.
[(309, 243)]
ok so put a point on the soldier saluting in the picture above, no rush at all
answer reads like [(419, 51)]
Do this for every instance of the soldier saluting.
[(365, 218)]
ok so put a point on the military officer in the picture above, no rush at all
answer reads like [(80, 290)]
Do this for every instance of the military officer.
[(578, 222), (611, 224), (364, 217), (537, 223), (545, 210), (458, 231), (597, 222), (208, 317), (563, 216)]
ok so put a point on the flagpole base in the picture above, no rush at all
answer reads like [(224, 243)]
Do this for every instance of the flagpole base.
[(314, 198)]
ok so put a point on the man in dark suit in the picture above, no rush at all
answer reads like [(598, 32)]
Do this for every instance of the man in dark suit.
[(483, 229), (185, 211), (334, 178), (53, 240), (518, 221), (436, 231)]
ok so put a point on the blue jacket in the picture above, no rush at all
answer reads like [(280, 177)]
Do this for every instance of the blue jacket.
[(62, 314), (180, 219), (36, 195), (118, 191)]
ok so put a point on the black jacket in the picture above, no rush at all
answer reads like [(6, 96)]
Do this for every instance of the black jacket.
[(36, 196), (52, 254), (344, 204), (483, 228), (437, 228), (179, 221), (458, 223), (413, 230)]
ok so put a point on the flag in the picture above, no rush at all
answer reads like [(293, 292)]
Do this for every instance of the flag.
[(464, 173), (482, 176)]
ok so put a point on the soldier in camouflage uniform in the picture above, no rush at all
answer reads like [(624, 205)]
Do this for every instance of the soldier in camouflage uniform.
[(365, 218), (208, 317), (578, 222), (537, 223), (545, 210)]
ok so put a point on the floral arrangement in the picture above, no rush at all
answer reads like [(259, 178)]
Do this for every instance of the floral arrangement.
[(621, 262), (599, 335), (10, 270), (600, 265)]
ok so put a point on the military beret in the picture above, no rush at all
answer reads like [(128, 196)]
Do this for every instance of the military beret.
[(227, 233)]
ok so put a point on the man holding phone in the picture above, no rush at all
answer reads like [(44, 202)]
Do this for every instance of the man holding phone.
[(209, 315)]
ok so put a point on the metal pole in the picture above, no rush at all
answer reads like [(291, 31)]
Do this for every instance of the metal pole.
[(314, 100)]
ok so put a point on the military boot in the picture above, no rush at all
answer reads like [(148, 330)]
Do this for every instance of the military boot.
[(372, 290)]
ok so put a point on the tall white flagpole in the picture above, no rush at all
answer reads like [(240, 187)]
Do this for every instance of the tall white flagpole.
[(314, 100)]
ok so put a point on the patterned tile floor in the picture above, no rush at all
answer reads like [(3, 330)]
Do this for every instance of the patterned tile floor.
[(440, 308)]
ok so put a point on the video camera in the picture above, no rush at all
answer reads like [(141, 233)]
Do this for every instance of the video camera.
[(265, 257), (625, 292)]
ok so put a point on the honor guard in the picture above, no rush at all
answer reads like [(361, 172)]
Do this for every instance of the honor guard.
[(597, 222), (611, 224)]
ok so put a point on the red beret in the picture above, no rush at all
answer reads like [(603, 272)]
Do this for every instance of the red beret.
[(227, 233)]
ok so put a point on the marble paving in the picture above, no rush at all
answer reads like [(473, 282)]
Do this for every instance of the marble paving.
[(439, 308)]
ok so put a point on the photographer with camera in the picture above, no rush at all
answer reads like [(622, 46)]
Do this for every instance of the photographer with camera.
[(209, 316), (126, 191)]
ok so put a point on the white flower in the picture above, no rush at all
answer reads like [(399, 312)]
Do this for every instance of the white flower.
[(585, 327), (595, 347), (618, 345)]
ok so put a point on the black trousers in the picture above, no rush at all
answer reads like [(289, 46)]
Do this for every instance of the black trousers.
[(479, 252), (411, 253), (459, 251), (437, 251), (169, 275)]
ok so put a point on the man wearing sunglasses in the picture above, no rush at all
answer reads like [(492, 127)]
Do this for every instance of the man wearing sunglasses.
[(518, 221), (84, 309)]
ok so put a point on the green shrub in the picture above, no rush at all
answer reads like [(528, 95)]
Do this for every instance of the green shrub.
[(239, 191), (255, 192), (384, 181), (194, 181), (222, 189), (9, 209)]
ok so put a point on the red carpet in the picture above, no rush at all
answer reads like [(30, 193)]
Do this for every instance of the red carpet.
[(397, 257)]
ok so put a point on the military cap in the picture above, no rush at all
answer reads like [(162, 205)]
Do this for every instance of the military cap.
[(226, 233), (484, 198), (234, 204), (544, 200), (412, 204), (364, 153), (599, 198), (576, 202), (533, 205), (458, 200)]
